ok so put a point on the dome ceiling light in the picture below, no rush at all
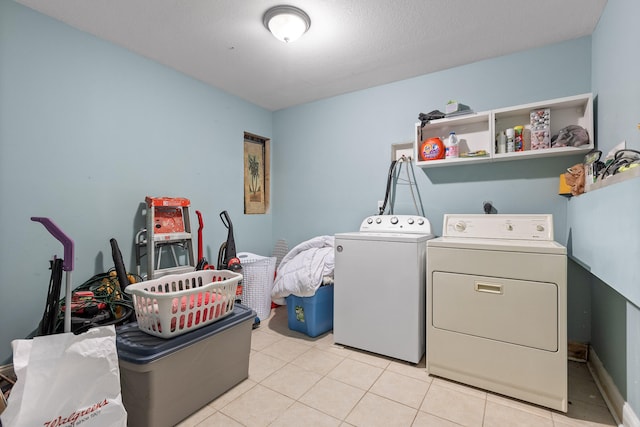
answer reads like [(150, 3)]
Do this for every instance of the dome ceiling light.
[(286, 23)]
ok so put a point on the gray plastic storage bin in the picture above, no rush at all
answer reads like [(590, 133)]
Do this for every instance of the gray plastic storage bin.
[(164, 381)]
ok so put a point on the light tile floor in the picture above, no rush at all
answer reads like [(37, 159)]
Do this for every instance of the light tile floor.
[(295, 380)]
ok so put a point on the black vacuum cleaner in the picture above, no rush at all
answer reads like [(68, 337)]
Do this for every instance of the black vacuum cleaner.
[(228, 258)]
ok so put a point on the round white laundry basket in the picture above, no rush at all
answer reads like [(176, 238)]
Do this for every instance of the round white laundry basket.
[(258, 273)]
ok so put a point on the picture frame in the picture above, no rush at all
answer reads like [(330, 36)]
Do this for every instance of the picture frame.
[(256, 174)]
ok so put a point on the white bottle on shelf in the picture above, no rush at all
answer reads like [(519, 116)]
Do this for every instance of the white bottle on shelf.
[(451, 147), (510, 140), (502, 143)]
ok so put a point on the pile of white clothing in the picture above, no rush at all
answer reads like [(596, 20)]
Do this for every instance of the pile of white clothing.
[(304, 268)]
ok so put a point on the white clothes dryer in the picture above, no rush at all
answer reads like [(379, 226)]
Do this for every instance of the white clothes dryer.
[(497, 306), (379, 295)]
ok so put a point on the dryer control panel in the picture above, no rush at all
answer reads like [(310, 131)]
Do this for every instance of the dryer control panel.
[(516, 226), (396, 224)]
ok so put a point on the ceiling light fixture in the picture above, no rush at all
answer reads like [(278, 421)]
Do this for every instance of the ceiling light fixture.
[(286, 23)]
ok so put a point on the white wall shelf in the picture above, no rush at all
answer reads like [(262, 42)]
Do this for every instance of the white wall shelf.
[(477, 131), (474, 132)]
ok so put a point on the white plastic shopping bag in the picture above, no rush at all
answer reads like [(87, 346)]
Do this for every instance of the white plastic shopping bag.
[(66, 380)]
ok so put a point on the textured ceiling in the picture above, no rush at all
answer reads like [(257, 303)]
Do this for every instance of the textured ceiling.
[(351, 45)]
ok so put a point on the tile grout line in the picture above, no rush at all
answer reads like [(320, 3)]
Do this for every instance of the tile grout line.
[(322, 376), (484, 409), (353, 356)]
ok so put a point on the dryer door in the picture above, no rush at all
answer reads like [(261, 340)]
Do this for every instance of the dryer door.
[(514, 311)]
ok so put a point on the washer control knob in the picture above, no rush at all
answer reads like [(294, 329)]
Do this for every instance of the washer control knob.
[(420, 221), (369, 220), (378, 220), (509, 227), (540, 227), (410, 221), (339, 248), (460, 226), (394, 220)]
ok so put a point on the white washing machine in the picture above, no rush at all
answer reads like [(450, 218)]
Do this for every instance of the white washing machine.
[(497, 306), (379, 295)]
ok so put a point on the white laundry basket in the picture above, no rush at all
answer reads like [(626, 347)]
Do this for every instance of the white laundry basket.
[(258, 273), (177, 303)]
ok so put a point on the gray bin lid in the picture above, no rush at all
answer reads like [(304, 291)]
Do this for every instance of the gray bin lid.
[(136, 346)]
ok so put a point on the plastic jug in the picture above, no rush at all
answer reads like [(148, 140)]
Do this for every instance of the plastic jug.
[(451, 148)]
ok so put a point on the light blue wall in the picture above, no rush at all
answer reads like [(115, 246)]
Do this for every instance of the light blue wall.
[(609, 332), (331, 157), (633, 357), (87, 130), (579, 303), (616, 67)]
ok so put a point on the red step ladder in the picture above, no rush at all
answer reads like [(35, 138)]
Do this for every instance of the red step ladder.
[(167, 237)]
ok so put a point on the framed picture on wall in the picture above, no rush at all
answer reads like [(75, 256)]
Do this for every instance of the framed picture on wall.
[(256, 174)]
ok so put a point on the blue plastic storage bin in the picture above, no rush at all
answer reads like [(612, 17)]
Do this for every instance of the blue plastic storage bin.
[(311, 315)]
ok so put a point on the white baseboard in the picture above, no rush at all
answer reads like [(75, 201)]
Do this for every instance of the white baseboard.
[(629, 418), (621, 410)]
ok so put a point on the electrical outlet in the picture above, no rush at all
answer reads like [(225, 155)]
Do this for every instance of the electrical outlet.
[(400, 150), (407, 154), (380, 204)]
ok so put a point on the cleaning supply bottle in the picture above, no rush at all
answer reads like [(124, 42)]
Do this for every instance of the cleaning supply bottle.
[(431, 149), (510, 140), (451, 147), (502, 143), (518, 140)]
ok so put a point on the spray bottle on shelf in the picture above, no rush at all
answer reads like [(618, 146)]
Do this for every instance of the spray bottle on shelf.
[(510, 140), (451, 147), (518, 140)]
